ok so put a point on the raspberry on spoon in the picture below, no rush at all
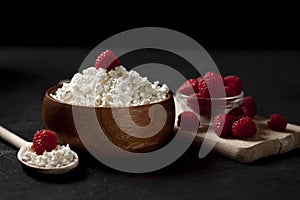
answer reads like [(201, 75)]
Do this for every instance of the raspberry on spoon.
[(44, 140)]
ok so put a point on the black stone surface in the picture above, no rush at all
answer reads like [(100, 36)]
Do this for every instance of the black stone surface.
[(271, 77)]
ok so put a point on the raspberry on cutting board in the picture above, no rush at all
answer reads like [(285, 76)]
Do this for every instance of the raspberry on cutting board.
[(222, 124), (107, 60), (277, 122), (191, 121), (243, 128), (44, 140)]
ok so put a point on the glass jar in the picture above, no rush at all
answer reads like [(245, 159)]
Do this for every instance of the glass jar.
[(207, 108)]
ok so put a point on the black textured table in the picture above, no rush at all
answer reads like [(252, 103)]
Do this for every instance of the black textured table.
[(271, 77)]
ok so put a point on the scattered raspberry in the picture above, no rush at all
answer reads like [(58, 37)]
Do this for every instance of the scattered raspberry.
[(234, 82), (191, 121), (44, 140), (222, 124), (243, 128), (277, 122), (189, 87), (230, 92), (249, 107), (107, 60)]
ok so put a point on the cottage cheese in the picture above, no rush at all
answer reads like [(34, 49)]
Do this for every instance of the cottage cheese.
[(58, 157), (117, 87)]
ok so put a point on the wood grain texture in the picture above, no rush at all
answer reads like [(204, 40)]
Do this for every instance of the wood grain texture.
[(126, 127), (265, 143), (12, 138)]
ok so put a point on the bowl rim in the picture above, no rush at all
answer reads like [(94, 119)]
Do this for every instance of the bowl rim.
[(55, 87), (218, 98)]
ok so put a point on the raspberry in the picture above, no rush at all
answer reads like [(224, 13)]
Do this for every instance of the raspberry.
[(230, 92), (199, 78), (237, 113), (249, 107), (200, 105), (203, 89), (277, 122), (246, 109), (44, 140), (189, 87), (243, 128), (191, 121), (248, 112), (198, 102), (213, 78), (234, 82), (222, 124), (193, 103), (214, 82), (107, 60)]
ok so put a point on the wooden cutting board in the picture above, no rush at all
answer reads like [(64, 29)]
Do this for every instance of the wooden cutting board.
[(265, 143)]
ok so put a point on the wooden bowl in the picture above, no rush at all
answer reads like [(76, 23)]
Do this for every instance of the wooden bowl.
[(58, 117)]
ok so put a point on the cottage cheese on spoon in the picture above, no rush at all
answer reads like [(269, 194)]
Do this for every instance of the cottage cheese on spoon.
[(58, 157)]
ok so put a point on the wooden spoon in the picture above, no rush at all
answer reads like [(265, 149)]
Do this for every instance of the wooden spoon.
[(22, 145)]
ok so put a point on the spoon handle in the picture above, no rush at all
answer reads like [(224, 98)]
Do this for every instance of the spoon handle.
[(12, 138)]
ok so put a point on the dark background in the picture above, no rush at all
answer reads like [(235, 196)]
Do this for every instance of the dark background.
[(42, 44), (252, 25)]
